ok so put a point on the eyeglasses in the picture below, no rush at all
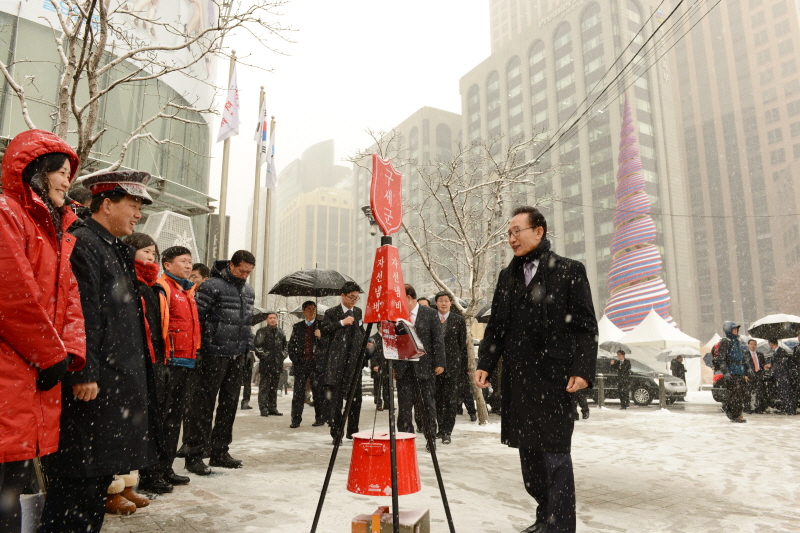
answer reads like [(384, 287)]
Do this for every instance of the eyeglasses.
[(515, 232), (352, 298)]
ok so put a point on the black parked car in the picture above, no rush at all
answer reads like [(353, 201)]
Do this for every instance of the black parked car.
[(644, 383)]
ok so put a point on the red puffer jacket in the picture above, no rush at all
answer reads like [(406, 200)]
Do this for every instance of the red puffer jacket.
[(40, 308)]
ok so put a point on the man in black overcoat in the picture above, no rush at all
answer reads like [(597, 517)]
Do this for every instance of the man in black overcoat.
[(110, 422), (342, 334), (270, 347), (757, 382), (623, 368), (302, 351), (427, 367), (448, 383), (544, 327)]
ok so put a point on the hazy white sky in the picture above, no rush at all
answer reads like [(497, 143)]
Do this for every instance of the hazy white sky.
[(353, 64)]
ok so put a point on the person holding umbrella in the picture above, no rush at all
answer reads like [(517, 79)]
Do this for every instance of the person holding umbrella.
[(783, 365), (302, 348), (678, 370)]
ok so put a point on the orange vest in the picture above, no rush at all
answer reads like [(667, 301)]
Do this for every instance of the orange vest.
[(166, 297)]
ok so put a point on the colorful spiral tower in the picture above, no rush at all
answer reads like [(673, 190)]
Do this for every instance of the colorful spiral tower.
[(634, 280)]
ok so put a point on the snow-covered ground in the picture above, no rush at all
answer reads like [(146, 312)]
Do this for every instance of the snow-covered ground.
[(641, 470)]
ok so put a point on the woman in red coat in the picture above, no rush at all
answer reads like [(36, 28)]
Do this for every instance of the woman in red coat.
[(41, 322)]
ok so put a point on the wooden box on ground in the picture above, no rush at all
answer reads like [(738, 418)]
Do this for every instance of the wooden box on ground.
[(413, 521)]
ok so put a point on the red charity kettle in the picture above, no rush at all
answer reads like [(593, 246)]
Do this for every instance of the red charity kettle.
[(371, 464)]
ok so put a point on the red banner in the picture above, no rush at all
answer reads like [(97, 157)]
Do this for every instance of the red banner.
[(386, 195), (387, 293)]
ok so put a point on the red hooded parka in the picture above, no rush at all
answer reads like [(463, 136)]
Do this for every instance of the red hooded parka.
[(40, 309)]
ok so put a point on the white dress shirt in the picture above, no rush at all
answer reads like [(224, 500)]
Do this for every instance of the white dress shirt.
[(414, 314)]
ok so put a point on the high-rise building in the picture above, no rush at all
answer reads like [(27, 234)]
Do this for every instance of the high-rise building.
[(740, 106), (537, 81), (427, 136), (508, 18), (314, 210)]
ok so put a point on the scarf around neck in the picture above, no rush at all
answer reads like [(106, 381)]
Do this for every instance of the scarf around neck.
[(533, 255), (147, 273), (184, 284)]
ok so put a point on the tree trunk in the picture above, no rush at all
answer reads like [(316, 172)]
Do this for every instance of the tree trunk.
[(477, 393)]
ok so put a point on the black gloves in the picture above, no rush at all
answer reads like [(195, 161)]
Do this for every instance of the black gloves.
[(50, 377)]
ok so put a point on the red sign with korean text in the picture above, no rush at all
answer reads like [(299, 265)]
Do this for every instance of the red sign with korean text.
[(387, 292), (386, 195)]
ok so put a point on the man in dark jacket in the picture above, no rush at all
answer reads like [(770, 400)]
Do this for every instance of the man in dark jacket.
[(782, 363), (225, 308), (270, 344), (302, 349), (429, 330), (544, 327), (110, 421), (449, 382), (623, 368), (736, 370), (757, 383), (678, 370), (342, 335)]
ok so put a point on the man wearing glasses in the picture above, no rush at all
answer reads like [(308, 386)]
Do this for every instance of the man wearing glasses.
[(342, 334), (544, 327)]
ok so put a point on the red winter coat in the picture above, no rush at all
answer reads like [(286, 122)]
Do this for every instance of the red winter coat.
[(40, 308)]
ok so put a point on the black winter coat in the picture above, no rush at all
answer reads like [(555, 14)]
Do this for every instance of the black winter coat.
[(623, 369), (225, 309), (429, 330), (118, 431), (341, 344), (545, 333), (270, 345), (455, 345), (679, 369)]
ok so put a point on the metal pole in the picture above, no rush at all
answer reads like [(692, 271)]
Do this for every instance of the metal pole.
[(662, 393), (267, 221), (223, 191), (601, 390), (337, 440), (393, 453), (431, 439), (257, 194)]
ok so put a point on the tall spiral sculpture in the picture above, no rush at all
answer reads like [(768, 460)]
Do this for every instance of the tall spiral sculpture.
[(634, 280)]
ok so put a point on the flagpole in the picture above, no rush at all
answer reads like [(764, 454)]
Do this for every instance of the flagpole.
[(268, 212), (222, 253), (257, 189)]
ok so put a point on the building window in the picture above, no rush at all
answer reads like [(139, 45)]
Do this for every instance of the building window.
[(767, 76), (775, 136), (788, 68), (761, 37), (779, 9), (777, 156), (770, 95), (794, 129), (793, 108), (782, 28), (764, 56), (772, 115), (758, 18), (791, 87), (786, 47), (796, 150)]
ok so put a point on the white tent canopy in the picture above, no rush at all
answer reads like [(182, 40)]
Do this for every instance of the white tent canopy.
[(710, 344), (655, 334), (608, 331)]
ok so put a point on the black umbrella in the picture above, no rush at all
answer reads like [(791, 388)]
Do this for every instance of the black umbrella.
[(484, 314), (315, 283), (614, 347)]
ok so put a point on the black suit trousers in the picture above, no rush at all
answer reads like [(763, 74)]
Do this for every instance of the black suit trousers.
[(445, 399), (304, 371), (269, 375), (549, 479), (338, 399), (406, 400), (213, 376)]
